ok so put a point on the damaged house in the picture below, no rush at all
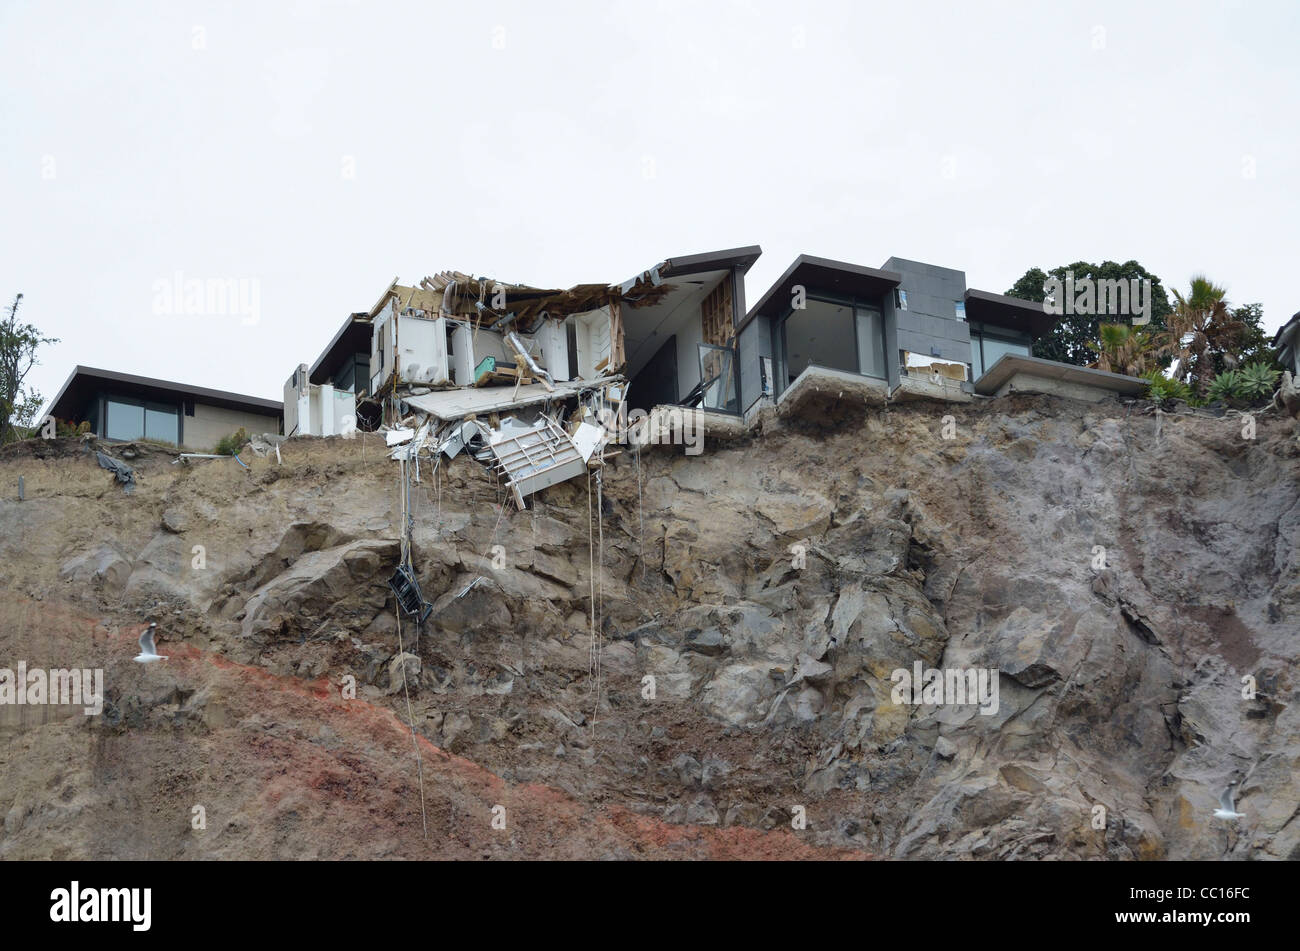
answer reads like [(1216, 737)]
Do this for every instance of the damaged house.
[(539, 382), (530, 379)]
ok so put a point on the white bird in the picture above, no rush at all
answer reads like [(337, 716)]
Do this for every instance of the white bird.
[(1227, 808), (148, 654)]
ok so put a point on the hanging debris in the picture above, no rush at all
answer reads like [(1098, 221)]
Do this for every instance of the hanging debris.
[(540, 456), (407, 589), (121, 471)]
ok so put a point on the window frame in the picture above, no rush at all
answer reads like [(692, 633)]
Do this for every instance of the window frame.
[(177, 409), (780, 347)]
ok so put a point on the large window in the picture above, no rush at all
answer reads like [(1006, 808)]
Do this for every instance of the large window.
[(354, 374), (871, 341), (842, 334), (987, 348), (125, 420), (128, 418)]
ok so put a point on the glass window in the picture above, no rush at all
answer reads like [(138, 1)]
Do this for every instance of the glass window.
[(871, 341), (343, 379), (125, 421), (162, 423), (995, 348), (718, 376), (987, 350), (820, 334)]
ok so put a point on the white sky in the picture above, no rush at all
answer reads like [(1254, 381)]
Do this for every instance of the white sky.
[(601, 138)]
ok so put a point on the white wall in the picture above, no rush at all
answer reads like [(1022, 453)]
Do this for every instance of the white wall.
[(422, 343), (471, 346), (594, 340), (383, 330), (690, 333), (294, 388), (325, 411), (549, 346)]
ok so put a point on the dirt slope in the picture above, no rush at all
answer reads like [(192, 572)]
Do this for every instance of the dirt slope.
[(769, 586)]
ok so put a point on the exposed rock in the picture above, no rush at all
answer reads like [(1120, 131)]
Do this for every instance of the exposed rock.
[(404, 672), (772, 668)]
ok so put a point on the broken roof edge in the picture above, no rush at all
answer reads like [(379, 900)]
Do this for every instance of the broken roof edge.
[(383, 298), (1289, 329), (359, 318), (687, 264)]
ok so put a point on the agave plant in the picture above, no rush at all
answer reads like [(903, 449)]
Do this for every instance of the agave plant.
[(1258, 380), (1227, 387), (1162, 390)]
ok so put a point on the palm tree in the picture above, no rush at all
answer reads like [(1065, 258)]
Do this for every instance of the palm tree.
[(1123, 349), (1200, 323)]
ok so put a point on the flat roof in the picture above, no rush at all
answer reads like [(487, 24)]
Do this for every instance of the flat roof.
[(1014, 313), (83, 382), (353, 337), (1012, 363), (822, 274)]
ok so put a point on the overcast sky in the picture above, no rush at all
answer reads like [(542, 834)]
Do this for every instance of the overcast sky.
[(314, 150)]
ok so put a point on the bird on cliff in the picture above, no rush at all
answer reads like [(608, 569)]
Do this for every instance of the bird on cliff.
[(1227, 808), (148, 654)]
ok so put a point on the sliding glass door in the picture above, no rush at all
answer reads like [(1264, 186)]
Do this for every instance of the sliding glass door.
[(127, 418), (844, 334)]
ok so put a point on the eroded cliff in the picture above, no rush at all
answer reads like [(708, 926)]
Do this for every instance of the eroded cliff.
[(770, 587)]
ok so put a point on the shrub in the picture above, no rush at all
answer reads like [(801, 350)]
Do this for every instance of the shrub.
[(230, 445), (1163, 390), (1227, 387), (1258, 381)]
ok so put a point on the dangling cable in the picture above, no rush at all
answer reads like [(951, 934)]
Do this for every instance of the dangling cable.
[(401, 650)]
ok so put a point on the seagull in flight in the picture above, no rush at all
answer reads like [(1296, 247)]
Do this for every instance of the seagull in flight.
[(1227, 808), (147, 653)]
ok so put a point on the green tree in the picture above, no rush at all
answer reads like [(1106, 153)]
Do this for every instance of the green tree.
[(1074, 338), (1256, 345), (1123, 348), (1201, 327), (18, 345)]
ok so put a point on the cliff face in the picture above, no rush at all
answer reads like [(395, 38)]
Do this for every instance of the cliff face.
[(770, 587)]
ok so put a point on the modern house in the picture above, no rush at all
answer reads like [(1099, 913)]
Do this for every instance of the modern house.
[(907, 330), (677, 336), (123, 407)]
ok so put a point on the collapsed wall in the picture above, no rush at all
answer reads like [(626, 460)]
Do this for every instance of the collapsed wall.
[(684, 659)]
